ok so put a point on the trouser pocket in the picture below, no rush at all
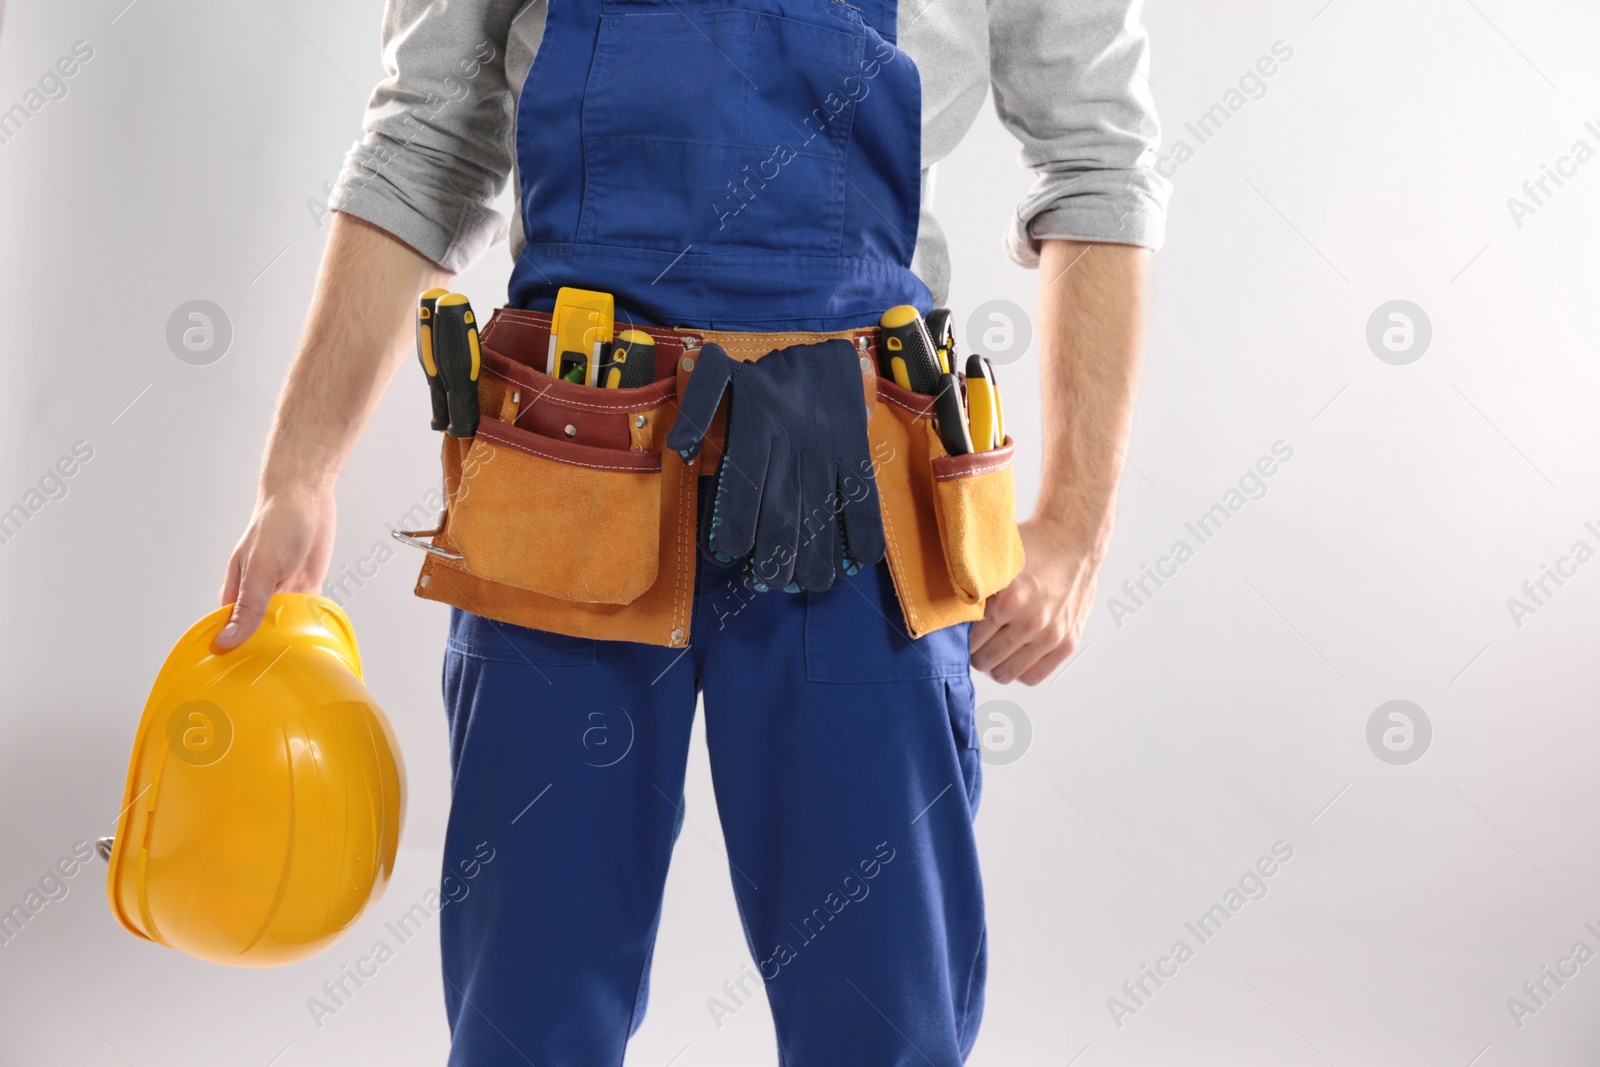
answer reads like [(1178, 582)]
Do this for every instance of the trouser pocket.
[(976, 505)]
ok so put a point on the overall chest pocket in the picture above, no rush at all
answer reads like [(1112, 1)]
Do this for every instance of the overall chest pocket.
[(725, 128)]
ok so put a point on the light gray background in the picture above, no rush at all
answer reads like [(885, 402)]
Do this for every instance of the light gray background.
[(1228, 713)]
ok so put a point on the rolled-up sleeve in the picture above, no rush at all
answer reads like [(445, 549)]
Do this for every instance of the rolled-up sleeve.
[(1070, 83), (437, 142)]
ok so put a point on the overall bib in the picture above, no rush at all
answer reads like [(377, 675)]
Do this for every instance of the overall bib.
[(743, 165), (749, 165)]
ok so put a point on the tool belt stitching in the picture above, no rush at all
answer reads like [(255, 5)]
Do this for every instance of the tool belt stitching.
[(683, 593), (489, 329), (897, 402), (568, 402), (765, 343), (897, 565), (797, 338), (975, 468), (745, 350), (521, 447)]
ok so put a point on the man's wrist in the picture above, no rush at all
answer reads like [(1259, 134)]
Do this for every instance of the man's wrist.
[(304, 475), (1084, 522), (296, 463)]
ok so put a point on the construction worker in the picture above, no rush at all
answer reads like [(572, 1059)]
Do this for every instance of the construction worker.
[(745, 165)]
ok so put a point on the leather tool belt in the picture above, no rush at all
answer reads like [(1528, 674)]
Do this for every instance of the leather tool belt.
[(566, 513)]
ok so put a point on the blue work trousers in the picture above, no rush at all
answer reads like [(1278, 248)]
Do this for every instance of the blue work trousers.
[(846, 775)]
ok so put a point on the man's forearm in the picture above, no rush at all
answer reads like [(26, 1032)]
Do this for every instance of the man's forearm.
[(1091, 321), (357, 333)]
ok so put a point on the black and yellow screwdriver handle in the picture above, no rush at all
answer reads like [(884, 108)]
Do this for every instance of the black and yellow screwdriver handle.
[(455, 350), (426, 305), (632, 362), (950, 414), (942, 332), (905, 351)]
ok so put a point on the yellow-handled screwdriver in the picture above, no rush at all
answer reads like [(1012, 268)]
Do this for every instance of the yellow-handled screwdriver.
[(456, 351), (632, 361), (426, 305), (950, 417), (942, 332), (906, 353)]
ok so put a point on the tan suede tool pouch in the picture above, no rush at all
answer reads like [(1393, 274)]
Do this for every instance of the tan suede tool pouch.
[(949, 521), (552, 516), (563, 512), (977, 507)]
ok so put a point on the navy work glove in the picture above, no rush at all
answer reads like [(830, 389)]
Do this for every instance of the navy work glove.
[(795, 491)]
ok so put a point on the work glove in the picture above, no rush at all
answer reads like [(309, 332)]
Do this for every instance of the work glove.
[(795, 491)]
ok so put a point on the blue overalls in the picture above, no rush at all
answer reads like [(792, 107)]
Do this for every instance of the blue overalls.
[(740, 165)]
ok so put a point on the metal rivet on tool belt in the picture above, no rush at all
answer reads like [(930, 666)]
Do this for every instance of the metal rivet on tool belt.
[(688, 364), (516, 398), (570, 430), (640, 421), (423, 581), (866, 364), (677, 635), (691, 343), (861, 343)]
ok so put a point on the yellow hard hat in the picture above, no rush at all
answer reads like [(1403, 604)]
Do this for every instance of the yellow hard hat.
[(265, 793)]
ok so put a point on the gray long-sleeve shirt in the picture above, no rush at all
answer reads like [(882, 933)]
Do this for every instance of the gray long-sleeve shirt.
[(1068, 78)]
